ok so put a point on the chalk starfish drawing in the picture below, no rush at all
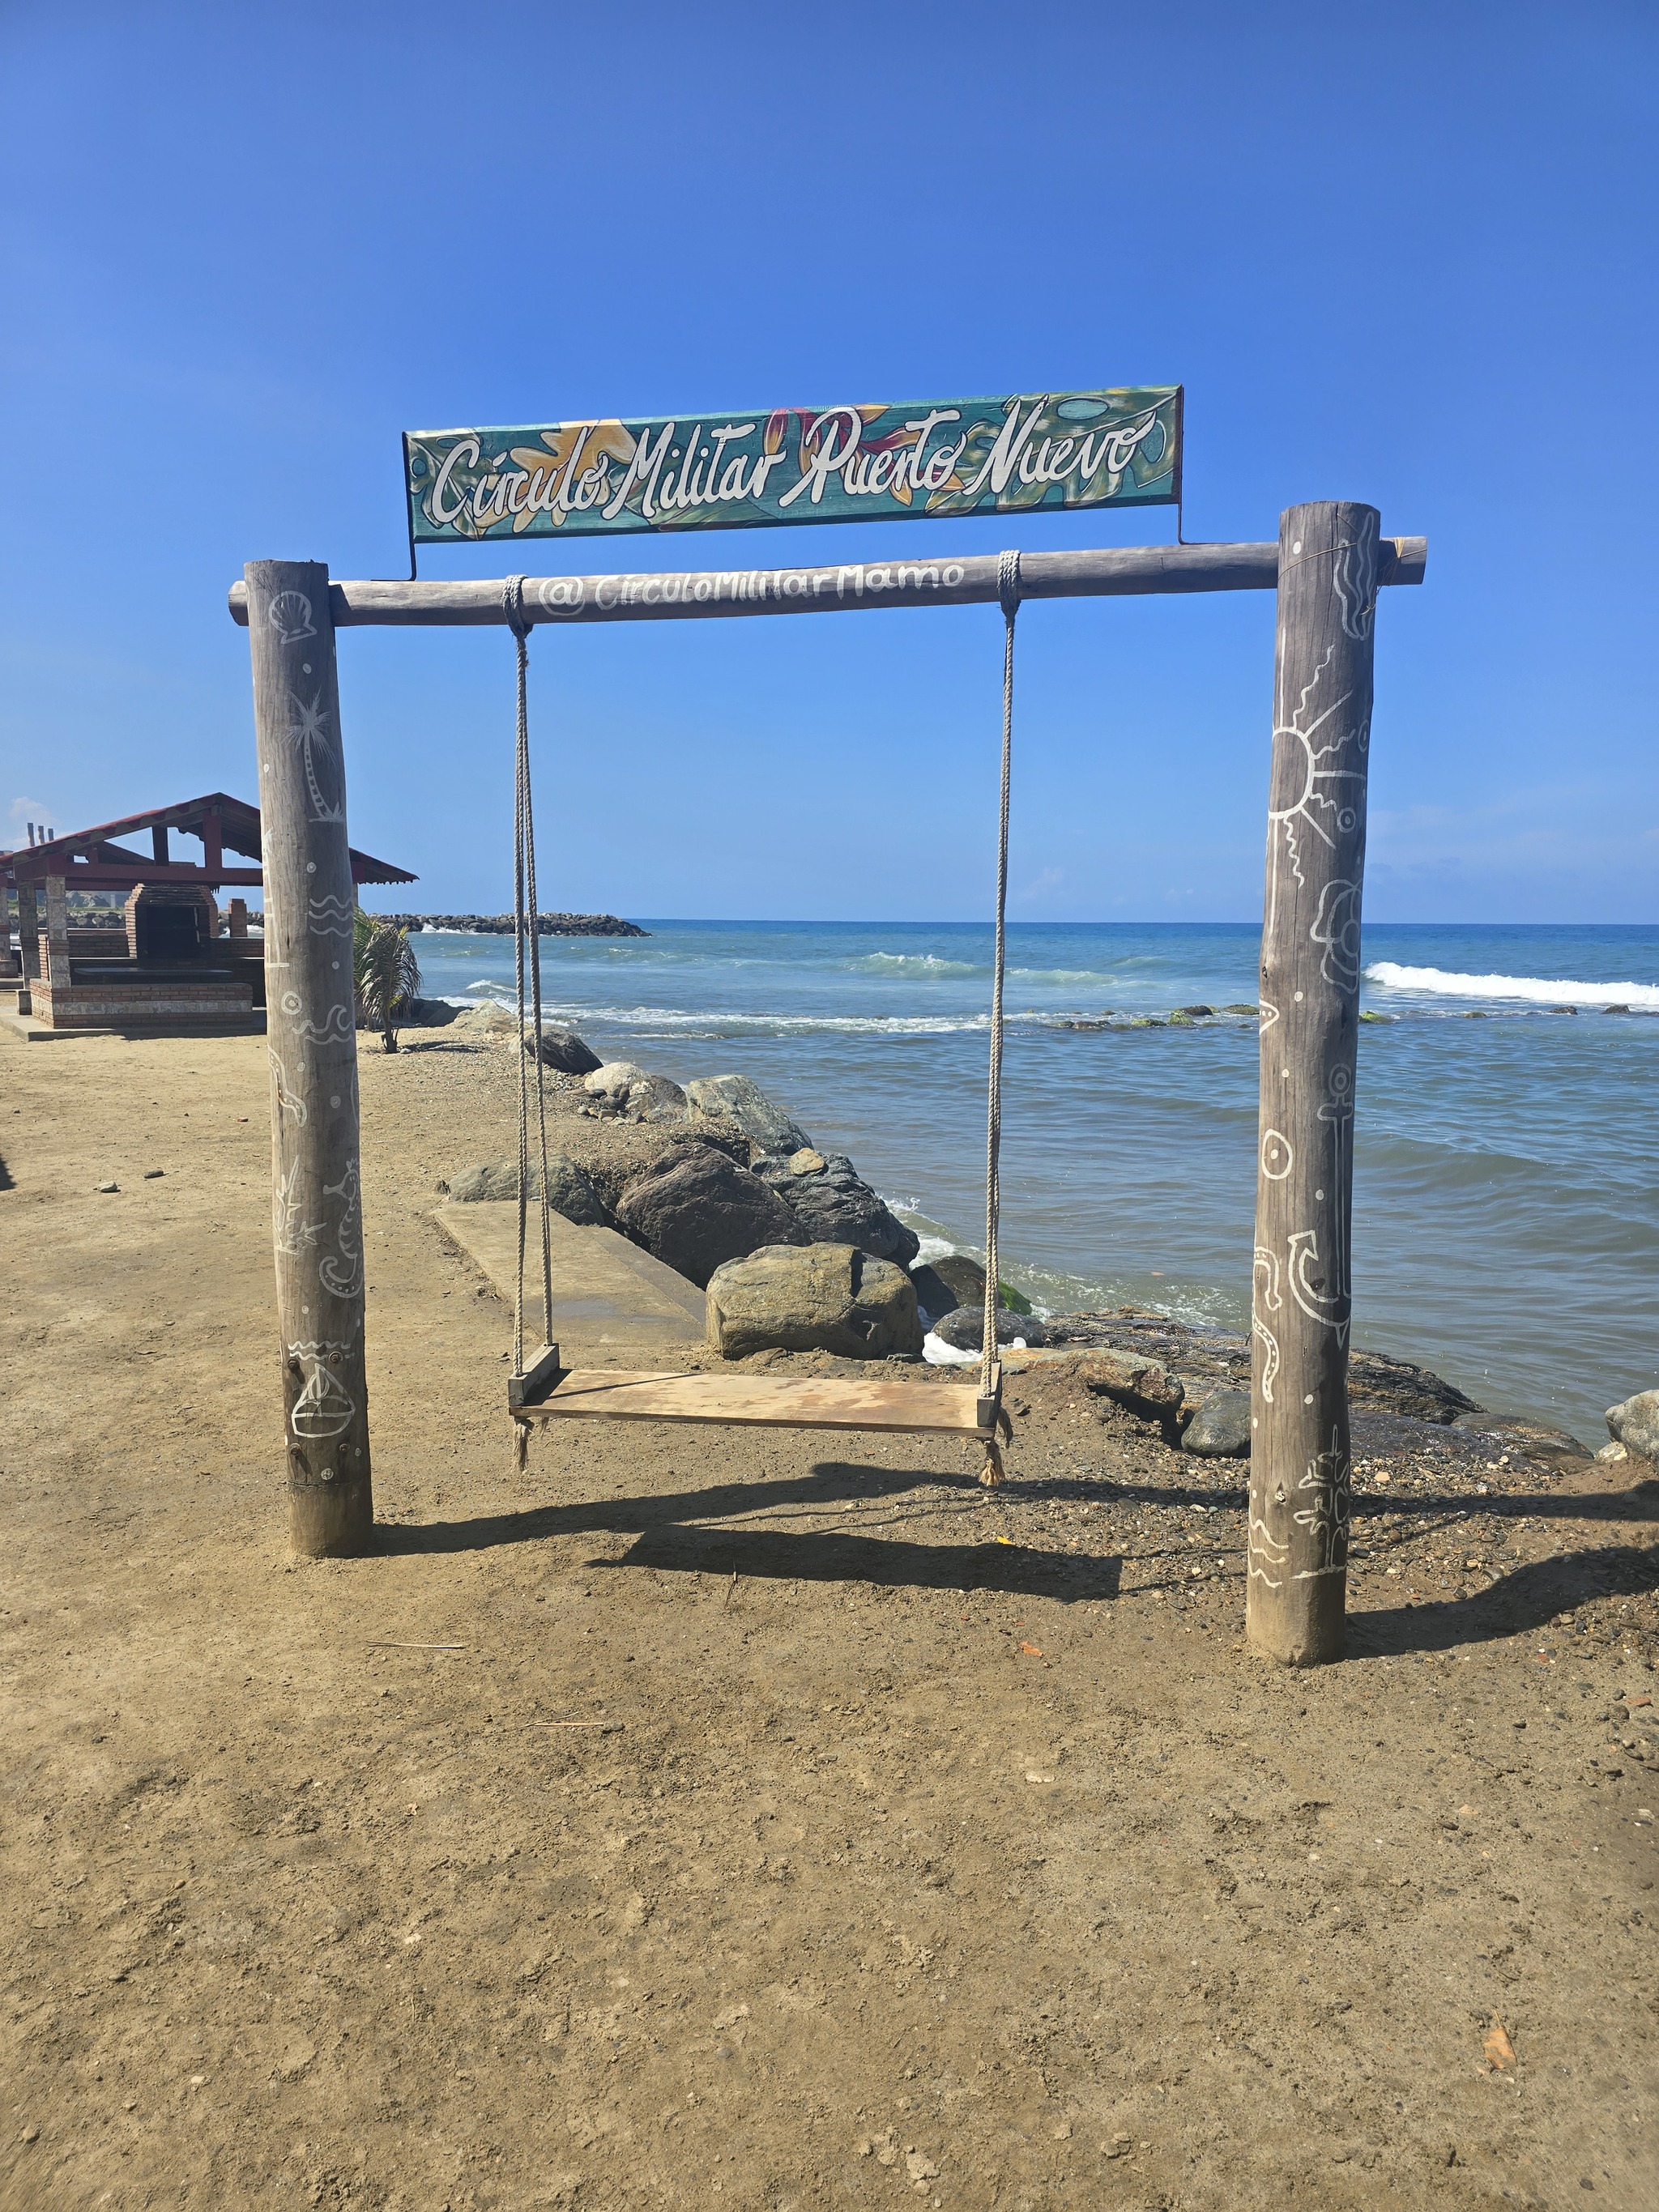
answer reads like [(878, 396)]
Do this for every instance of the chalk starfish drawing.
[(1321, 808), (341, 1272), (325, 1406), (1326, 1515), (306, 730), (294, 1236)]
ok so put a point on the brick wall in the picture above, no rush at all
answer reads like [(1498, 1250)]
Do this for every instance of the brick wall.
[(119, 1006)]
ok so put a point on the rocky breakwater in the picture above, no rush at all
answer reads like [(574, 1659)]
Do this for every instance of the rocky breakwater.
[(502, 925)]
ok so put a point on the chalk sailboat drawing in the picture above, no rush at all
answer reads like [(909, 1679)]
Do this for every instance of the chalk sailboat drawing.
[(325, 1406)]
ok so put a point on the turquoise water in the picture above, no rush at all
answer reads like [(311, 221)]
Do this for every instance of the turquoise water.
[(1507, 1168)]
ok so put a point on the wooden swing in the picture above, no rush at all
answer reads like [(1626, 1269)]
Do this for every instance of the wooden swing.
[(546, 1389)]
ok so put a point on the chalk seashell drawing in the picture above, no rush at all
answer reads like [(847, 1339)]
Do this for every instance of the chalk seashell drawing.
[(290, 616)]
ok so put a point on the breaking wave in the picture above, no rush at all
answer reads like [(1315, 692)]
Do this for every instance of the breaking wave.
[(1532, 990)]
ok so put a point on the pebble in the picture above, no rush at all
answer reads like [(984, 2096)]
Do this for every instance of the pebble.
[(152, 1175), (105, 1187)]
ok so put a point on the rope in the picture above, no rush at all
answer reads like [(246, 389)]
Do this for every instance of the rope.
[(526, 922), (1008, 593)]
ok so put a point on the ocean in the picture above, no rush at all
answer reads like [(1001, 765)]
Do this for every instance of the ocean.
[(1506, 1217)]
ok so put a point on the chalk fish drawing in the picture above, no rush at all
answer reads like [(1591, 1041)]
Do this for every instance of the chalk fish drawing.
[(1326, 1515), (325, 1407), (290, 616), (341, 1272), (288, 1101), (1336, 926), (306, 730)]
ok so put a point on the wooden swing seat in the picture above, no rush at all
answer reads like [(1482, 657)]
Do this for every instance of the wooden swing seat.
[(547, 1391)]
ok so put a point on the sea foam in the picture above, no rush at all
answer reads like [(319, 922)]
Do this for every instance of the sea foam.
[(1534, 990)]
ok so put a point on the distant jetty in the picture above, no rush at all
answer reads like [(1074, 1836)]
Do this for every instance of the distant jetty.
[(500, 925)]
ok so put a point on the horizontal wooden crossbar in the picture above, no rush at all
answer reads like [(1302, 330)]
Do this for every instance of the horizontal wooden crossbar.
[(846, 588), (830, 1401)]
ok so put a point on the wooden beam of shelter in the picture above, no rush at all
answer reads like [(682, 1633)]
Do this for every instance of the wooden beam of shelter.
[(843, 587)]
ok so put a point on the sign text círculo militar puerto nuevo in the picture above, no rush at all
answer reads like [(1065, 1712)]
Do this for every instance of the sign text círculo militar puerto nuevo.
[(711, 472)]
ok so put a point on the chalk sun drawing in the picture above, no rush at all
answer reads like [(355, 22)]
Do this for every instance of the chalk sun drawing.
[(1320, 807), (1278, 1157)]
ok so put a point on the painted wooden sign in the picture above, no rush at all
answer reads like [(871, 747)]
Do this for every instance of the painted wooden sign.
[(942, 457)]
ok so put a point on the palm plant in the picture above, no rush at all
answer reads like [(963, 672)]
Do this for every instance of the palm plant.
[(387, 974)]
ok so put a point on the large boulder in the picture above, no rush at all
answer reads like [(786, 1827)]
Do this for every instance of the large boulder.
[(1140, 1385), (964, 1329), (1220, 1426), (624, 1092), (1635, 1423), (946, 1284), (694, 1208), (570, 1191), (488, 1018), (564, 1050), (767, 1127), (818, 1297), (836, 1205)]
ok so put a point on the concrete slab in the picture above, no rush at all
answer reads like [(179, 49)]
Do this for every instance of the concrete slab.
[(608, 1296)]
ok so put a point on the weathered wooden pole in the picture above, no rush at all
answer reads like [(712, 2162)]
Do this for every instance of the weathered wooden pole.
[(1302, 1301), (311, 1028)]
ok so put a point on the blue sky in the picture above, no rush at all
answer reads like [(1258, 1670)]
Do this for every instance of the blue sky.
[(1407, 259)]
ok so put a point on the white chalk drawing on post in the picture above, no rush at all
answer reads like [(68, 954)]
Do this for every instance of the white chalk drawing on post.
[(1265, 1292), (1319, 806), (329, 917), (325, 1407), (1326, 1516), (290, 616), (288, 1101), (307, 730), (341, 1272)]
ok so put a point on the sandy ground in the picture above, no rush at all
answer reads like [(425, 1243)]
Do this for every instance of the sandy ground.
[(908, 1848)]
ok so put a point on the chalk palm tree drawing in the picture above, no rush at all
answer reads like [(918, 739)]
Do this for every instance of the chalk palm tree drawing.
[(306, 730)]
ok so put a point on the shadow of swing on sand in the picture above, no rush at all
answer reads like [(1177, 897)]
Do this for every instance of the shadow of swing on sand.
[(672, 1536)]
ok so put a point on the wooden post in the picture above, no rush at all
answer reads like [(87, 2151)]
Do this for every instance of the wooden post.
[(317, 1216), (28, 944), (57, 952), (1302, 1303)]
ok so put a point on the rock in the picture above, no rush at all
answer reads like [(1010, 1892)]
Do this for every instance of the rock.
[(607, 1085), (571, 1192), (488, 1018), (1612, 1453), (694, 1209), (933, 1294), (1534, 1440), (767, 1126), (1394, 1386), (104, 1189), (429, 1014), (836, 1205), (815, 1297), (964, 1329), (963, 1279), (1220, 1426), (565, 1050), (1635, 1423), (1142, 1385), (656, 1098)]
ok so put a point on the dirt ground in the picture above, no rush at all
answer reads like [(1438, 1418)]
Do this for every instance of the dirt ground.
[(735, 1819)]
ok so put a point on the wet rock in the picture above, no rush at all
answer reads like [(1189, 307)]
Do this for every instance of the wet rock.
[(836, 1205), (1533, 1440), (694, 1209), (1220, 1426), (964, 1329), (816, 1297), (946, 1284), (570, 1190), (1635, 1423), (766, 1125)]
